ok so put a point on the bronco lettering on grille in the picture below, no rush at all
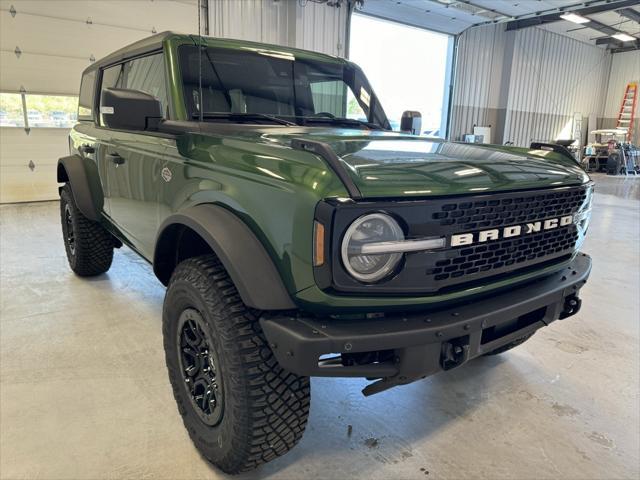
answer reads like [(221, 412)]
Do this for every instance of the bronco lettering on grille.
[(511, 231)]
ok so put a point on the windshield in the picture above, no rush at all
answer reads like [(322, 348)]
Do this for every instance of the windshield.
[(268, 86)]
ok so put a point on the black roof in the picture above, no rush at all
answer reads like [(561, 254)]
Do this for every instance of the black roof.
[(148, 44), (154, 42)]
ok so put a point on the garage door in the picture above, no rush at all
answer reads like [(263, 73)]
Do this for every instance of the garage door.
[(44, 46)]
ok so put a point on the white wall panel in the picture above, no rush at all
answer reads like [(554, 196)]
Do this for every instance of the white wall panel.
[(34, 72), (321, 28), (255, 20), (307, 25), (483, 57), (625, 68), (57, 40), (552, 77), (480, 63), (18, 183), (526, 84), (55, 36)]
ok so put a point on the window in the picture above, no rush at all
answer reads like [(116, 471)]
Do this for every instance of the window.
[(11, 114), (335, 98), (145, 74), (354, 110), (329, 97), (52, 111), (409, 67), (86, 101), (275, 83), (43, 111)]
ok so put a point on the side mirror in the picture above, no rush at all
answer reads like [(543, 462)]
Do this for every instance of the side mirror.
[(124, 109), (411, 122)]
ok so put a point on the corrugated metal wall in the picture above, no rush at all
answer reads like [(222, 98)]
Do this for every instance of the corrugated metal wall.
[(552, 78), (307, 25), (256, 20), (321, 28), (526, 84), (482, 58), (625, 68)]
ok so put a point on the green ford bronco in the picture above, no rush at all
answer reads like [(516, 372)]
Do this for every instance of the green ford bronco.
[(299, 236)]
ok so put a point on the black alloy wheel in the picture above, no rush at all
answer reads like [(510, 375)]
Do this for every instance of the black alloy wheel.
[(69, 232), (198, 364)]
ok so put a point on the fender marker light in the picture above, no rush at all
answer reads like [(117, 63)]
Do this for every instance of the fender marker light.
[(318, 244)]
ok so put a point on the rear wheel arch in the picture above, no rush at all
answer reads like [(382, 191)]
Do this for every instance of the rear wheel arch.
[(210, 228), (85, 185), (62, 174)]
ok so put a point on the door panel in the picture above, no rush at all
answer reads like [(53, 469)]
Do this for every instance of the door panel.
[(134, 163), (134, 159)]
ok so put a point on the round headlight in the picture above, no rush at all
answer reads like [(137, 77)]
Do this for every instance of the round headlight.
[(372, 228)]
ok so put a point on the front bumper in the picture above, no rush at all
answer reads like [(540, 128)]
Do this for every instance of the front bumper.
[(399, 349)]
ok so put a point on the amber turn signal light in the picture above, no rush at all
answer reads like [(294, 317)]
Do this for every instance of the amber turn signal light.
[(318, 244)]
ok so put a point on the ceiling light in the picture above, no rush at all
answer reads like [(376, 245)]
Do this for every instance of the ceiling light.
[(572, 17), (623, 37)]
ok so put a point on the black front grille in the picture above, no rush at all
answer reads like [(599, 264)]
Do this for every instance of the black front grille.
[(453, 268), (496, 212), (496, 256), (481, 259)]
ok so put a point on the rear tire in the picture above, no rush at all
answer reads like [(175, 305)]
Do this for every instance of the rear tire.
[(240, 407), (88, 244), (509, 346)]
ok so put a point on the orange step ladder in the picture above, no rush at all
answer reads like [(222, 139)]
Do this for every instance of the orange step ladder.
[(628, 109)]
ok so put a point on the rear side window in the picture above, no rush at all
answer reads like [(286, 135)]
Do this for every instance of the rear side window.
[(87, 89), (145, 74)]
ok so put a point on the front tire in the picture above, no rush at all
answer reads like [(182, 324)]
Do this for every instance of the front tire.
[(240, 407), (88, 244)]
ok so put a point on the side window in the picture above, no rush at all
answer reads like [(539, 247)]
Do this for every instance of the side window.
[(112, 77), (329, 97), (86, 102), (354, 110), (336, 98), (145, 74)]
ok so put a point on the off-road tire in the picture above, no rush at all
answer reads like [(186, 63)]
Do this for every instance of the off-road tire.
[(265, 407), (509, 346), (90, 252)]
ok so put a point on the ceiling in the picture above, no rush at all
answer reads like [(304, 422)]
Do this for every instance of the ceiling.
[(455, 16)]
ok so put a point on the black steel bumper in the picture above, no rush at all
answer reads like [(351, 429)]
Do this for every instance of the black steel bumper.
[(399, 349)]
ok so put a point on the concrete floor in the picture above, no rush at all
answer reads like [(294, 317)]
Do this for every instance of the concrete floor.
[(84, 392)]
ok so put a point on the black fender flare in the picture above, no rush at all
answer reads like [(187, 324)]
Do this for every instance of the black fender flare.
[(241, 253), (73, 169)]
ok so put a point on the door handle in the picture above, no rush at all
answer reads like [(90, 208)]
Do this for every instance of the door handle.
[(115, 158), (84, 149)]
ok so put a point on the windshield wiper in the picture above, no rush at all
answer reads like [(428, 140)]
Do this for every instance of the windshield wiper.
[(242, 116), (342, 121)]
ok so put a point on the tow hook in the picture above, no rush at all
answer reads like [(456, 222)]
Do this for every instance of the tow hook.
[(454, 353), (572, 306)]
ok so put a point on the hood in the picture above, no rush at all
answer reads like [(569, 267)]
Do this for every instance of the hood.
[(392, 164), (386, 164)]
